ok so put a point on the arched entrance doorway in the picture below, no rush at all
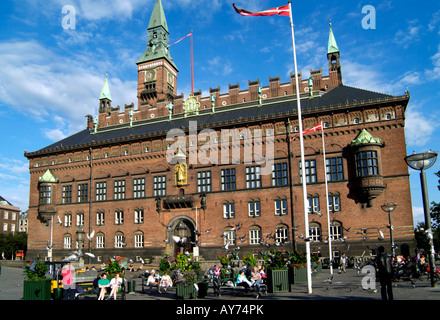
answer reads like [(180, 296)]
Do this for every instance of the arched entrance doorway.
[(181, 235)]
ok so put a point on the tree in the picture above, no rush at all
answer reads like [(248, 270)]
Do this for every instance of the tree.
[(10, 243)]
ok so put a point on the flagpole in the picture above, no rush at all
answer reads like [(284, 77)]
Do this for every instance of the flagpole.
[(192, 64), (326, 194), (303, 168)]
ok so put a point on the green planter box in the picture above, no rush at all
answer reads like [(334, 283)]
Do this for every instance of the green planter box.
[(299, 275), (278, 281), (36, 290), (186, 291)]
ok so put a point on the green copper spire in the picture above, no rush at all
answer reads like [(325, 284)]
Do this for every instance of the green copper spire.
[(158, 37), (105, 92), (158, 17), (365, 138), (48, 176), (332, 45)]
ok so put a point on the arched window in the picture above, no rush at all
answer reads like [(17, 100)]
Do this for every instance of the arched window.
[(254, 235), (138, 239), (335, 230), (100, 240), (229, 236), (281, 234), (315, 231), (119, 240), (67, 242)]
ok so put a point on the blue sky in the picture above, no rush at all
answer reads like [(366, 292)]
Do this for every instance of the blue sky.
[(50, 77)]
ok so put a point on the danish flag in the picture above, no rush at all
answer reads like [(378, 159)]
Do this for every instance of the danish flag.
[(281, 11), (317, 127)]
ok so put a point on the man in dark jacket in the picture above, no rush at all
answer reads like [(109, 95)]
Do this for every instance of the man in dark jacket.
[(385, 273)]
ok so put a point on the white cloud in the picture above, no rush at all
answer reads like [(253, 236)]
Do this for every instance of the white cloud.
[(53, 88), (434, 74), (406, 37), (363, 76), (55, 134), (13, 166), (219, 66), (418, 127)]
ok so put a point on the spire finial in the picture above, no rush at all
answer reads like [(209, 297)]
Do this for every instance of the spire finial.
[(105, 92)]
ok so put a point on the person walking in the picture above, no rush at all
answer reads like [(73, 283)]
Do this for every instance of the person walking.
[(385, 273), (343, 262), (69, 286)]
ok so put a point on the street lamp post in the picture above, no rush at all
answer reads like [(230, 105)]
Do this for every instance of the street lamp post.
[(389, 207), (423, 161), (80, 236)]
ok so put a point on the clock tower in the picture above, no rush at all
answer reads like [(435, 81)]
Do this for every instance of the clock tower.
[(157, 73)]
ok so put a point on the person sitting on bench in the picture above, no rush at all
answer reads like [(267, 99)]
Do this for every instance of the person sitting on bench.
[(243, 281), (256, 280), (153, 281)]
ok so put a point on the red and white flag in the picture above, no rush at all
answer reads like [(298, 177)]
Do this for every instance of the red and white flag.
[(315, 128), (281, 11), (188, 35)]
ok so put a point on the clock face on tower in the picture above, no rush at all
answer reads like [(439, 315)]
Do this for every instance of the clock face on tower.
[(150, 75), (170, 78)]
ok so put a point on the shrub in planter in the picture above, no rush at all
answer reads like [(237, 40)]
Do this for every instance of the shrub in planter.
[(277, 272), (36, 286)]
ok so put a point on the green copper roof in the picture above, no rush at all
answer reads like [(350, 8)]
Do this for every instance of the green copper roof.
[(158, 17), (48, 177), (105, 92), (158, 40), (364, 138), (332, 45)]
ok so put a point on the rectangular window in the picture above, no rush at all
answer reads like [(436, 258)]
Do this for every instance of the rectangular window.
[(254, 209), (66, 196), (138, 216), (229, 210), (253, 177), (159, 186), (68, 220), (45, 194), (334, 203), (280, 207), (83, 192), (100, 218), (313, 205), (311, 175), (119, 217), (366, 163), (279, 174), (139, 188), (79, 219), (228, 179), (119, 190), (335, 169), (101, 191), (204, 181)]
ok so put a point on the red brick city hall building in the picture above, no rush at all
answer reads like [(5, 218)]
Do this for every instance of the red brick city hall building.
[(196, 173)]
